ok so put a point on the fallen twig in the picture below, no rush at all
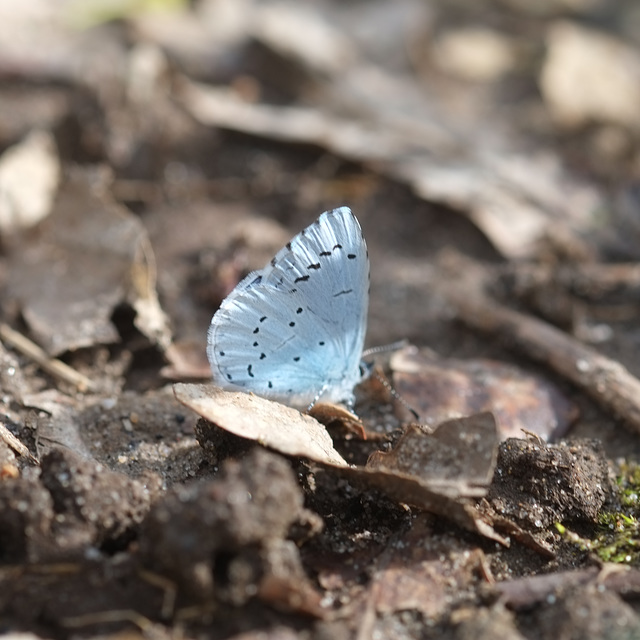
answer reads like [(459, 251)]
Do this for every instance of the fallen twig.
[(101, 617), (52, 366), (15, 444), (606, 380), (589, 281), (168, 587)]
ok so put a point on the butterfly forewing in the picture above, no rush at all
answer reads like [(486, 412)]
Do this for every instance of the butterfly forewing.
[(295, 330)]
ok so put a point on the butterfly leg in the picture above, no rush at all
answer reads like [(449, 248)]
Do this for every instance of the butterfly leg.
[(317, 396)]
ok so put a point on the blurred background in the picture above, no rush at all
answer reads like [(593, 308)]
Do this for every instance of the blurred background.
[(152, 152)]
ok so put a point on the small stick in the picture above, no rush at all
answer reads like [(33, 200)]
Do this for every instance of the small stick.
[(168, 587), (52, 366), (606, 380), (101, 617), (588, 281), (15, 444)]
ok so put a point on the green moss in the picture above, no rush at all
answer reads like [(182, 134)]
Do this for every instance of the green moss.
[(617, 538), (83, 15), (629, 484)]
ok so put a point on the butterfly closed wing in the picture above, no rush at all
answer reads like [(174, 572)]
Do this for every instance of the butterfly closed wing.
[(294, 330)]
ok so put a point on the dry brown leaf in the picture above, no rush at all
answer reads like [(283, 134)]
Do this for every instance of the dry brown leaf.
[(270, 423), (328, 414), (90, 256), (439, 389), (515, 199), (57, 422)]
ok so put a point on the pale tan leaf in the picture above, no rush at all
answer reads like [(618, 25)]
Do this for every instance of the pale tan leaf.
[(271, 424)]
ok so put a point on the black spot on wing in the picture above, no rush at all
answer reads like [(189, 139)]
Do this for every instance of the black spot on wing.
[(301, 279)]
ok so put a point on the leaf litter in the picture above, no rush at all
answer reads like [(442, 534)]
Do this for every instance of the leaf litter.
[(136, 516)]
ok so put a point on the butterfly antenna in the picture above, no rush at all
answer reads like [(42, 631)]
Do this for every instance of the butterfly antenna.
[(395, 395), (385, 348)]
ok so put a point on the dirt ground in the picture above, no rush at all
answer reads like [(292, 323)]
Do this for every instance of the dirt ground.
[(153, 154)]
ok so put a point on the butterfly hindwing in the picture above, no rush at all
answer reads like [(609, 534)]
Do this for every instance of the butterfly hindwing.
[(295, 329)]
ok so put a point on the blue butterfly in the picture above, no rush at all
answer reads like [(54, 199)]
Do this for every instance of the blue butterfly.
[(294, 331)]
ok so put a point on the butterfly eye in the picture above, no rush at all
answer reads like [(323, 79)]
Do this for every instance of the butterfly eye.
[(365, 369)]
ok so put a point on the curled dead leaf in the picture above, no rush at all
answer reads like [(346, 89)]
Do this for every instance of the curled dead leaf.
[(328, 414), (270, 423)]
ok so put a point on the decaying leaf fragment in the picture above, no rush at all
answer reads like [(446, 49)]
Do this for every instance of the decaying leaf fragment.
[(440, 472), (460, 454)]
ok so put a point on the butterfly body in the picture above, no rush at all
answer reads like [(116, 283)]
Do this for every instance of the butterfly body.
[(294, 330)]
